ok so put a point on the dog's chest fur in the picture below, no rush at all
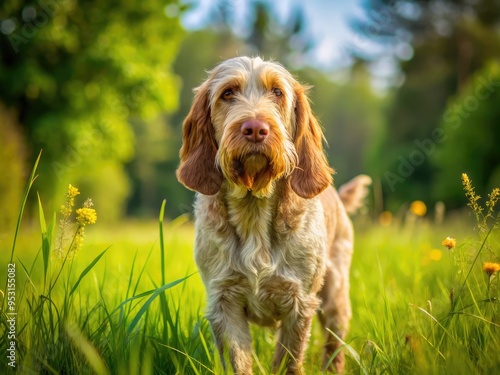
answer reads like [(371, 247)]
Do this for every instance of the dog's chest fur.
[(273, 249)]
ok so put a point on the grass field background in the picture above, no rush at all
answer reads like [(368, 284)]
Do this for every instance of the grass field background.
[(419, 308)]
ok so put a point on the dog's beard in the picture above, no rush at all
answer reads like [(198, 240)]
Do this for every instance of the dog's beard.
[(253, 171), (256, 169)]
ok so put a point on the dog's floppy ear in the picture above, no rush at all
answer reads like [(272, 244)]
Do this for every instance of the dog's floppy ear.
[(197, 170), (312, 174)]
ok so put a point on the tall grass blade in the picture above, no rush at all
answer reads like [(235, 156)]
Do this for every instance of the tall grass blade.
[(431, 345), (28, 274), (162, 243), (353, 353), (87, 349), (31, 180), (139, 278), (157, 292), (435, 321), (190, 359), (479, 318), (204, 343), (163, 300), (257, 362), (87, 270), (131, 276), (144, 294), (48, 367), (46, 239), (477, 256), (23, 204)]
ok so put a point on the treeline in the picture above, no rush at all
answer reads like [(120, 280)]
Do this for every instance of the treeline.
[(444, 118), (102, 89)]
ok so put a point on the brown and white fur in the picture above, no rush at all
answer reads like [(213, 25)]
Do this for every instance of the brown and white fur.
[(273, 239)]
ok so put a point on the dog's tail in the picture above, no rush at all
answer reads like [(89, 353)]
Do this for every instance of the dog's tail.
[(354, 192)]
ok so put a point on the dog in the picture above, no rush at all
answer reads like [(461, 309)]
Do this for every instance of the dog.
[(273, 239)]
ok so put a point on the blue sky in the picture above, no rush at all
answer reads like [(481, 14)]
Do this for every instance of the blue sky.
[(327, 22)]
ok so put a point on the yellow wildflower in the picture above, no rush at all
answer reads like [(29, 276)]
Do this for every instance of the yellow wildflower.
[(465, 179), (490, 268), (67, 207), (72, 191), (86, 214), (472, 197), (493, 198), (449, 242), (418, 208)]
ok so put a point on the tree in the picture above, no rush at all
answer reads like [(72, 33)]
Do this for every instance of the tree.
[(262, 31), (351, 116), (449, 41), (285, 40), (76, 74), (474, 115)]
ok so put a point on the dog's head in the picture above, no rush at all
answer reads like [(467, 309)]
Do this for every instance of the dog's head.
[(251, 124)]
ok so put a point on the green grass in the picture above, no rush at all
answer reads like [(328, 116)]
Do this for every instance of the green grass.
[(403, 317), (131, 302)]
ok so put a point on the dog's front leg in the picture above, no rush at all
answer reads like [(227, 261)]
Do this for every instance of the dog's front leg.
[(226, 314), (294, 335)]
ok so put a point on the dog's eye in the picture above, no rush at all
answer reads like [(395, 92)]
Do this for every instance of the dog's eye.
[(276, 91), (228, 94)]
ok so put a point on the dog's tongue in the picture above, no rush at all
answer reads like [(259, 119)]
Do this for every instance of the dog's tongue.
[(250, 169)]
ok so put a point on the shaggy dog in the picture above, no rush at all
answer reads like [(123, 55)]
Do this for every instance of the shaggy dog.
[(273, 239)]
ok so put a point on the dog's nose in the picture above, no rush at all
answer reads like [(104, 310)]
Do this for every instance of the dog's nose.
[(255, 130)]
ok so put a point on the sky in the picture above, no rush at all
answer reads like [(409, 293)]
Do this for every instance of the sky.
[(327, 22)]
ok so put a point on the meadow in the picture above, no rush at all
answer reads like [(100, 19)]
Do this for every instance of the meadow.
[(130, 301)]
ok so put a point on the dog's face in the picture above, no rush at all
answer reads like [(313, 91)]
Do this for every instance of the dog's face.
[(252, 114), (251, 124)]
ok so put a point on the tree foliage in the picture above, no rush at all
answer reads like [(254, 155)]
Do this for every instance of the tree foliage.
[(76, 73), (351, 116), (474, 116), (449, 42)]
